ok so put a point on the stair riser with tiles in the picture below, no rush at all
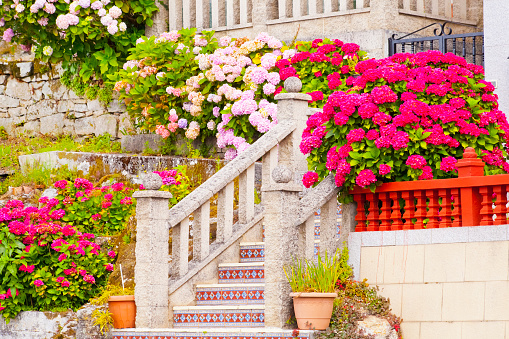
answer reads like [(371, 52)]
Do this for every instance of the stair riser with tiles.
[(219, 318), (230, 295), (248, 273), (172, 334)]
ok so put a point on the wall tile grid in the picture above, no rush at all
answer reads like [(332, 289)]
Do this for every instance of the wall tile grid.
[(444, 283)]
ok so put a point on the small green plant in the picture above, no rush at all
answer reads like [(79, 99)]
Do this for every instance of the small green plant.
[(320, 276), (103, 319), (3, 133), (109, 291)]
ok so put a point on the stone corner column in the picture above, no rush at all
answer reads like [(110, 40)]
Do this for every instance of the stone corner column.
[(281, 199), (151, 272), (160, 20)]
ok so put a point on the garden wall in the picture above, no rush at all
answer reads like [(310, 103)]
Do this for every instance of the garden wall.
[(34, 102), (445, 283)]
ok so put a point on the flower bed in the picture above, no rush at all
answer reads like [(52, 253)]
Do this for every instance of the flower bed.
[(47, 264), (407, 117), (225, 88)]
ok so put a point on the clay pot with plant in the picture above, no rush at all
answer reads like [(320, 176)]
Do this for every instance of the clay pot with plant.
[(121, 306), (313, 288)]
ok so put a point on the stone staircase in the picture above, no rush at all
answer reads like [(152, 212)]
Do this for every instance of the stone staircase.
[(236, 301), (208, 294)]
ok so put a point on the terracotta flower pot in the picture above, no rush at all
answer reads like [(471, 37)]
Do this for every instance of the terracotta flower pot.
[(313, 310), (123, 311)]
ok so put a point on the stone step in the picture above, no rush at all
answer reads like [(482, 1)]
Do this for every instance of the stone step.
[(219, 316), (232, 273), (210, 333), (228, 294)]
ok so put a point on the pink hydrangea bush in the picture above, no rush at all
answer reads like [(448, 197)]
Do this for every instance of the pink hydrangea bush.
[(91, 37), (323, 66), (216, 80), (46, 263), (407, 117)]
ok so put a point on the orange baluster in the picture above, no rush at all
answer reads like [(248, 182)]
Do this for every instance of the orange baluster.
[(432, 213), (409, 210), (385, 211), (420, 209), (456, 212), (397, 223), (445, 208), (486, 206), (372, 212), (360, 217)]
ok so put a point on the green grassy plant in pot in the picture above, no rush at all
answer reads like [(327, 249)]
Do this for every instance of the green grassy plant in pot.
[(121, 311), (313, 284)]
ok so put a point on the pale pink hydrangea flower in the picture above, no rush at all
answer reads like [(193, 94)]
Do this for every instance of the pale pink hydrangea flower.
[(115, 12), (225, 41), (84, 3), (106, 20), (97, 5), (43, 21)]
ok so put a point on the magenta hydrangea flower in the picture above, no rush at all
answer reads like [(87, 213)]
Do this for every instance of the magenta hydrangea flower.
[(427, 173), (365, 178), (384, 169), (355, 135), (38, 282), (416, 161), (448, 164), (309, 179)]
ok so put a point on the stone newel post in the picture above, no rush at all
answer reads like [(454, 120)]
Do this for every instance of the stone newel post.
[(152, 268), (281, 196)]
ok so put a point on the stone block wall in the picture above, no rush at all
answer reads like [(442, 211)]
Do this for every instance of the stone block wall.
[(31, 103), (444, 283)]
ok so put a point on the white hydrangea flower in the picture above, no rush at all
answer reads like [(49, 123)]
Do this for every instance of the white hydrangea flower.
[(122, 26), (106, 20)]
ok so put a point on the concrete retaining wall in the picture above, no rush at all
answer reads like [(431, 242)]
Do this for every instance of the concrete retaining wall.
[(445, 283)]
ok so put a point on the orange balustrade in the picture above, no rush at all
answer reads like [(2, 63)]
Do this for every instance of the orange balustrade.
[(472, 199)]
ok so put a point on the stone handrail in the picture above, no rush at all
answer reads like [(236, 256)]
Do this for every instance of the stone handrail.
[(280, 157), (228, 173)]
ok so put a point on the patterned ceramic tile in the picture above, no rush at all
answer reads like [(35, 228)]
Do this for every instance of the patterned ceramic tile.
[(229, 295), (218, 318), (240, 274), (252, 253)]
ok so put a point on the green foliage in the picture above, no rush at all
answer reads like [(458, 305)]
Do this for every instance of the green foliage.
[(103, 319), (87, 48), (156, 64), (3, 133), (320, 276)]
